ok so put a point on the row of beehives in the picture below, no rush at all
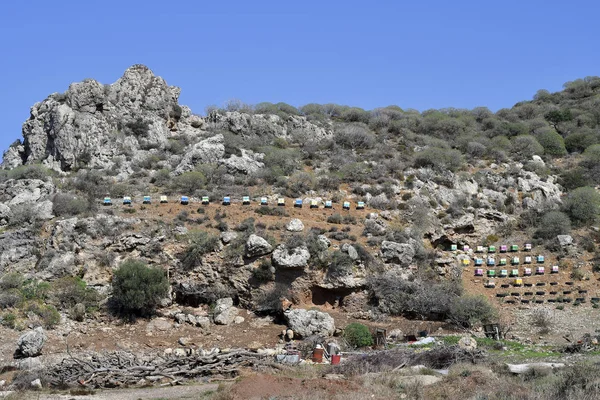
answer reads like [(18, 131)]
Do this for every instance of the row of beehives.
[(491, 261), (504, 273), (537, 300), (492, 249), (185, 200)]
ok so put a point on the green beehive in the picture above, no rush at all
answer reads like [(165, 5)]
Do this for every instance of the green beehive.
[(492, 249), (491, 273), (503, 261), (514, 272), (514, 247)]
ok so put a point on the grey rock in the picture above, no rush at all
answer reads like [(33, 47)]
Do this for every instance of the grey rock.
[(228, 236), (31, 343), (421, 380), (203, 322), (399, 253), (17, 249), (36, 384), (305, 323), (565, 240), (4, 214), (324, 242), (350, 250), (209, 150), (295, 225), (21, 191), (376, 227), (224, 312), (467, 343), (30, 363), (181, 318), (291, 258), (256, 246), (248, 163)]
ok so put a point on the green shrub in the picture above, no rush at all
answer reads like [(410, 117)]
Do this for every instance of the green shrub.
[(552, 224), (468, 310), (12, 280), (552, 142), (264, 271), (9, 320), (138, 289), (525, 146), (65, 204), (189, 182), (200, 243), (356, 137), (69, 291), (583, 205), (274, 211), (33, 171), (358, 335), (138, 127), (438, 158), (47, 313), (335, 219)]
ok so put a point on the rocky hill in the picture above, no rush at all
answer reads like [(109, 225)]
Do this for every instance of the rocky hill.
[(430, 180)]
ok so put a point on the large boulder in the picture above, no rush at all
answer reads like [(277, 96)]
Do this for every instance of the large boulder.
[(31, 343), (209, 150), (291, 258), (256, 246), (398, 253), (21, 191), (224, 312), (295, 225), (305, 323)]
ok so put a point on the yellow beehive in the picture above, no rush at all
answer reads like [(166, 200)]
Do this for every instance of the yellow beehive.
[(518, 282)]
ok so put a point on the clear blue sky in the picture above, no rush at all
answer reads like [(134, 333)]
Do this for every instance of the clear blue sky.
[(418, 54)]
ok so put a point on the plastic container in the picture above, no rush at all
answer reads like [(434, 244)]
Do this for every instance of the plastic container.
[(317, 355), (335, 359)]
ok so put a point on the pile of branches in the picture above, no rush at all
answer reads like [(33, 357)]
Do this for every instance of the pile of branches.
[(121, 369), (439, 357)]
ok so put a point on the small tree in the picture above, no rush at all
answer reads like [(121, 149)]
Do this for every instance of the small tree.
[(201, 243), (467, 311), (358, 335), (552, 224), (583, 205), (138, 289)]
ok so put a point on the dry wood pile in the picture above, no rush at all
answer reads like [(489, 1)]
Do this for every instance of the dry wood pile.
[(117, 369)]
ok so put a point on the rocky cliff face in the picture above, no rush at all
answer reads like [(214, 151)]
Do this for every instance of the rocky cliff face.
[(99, 126)]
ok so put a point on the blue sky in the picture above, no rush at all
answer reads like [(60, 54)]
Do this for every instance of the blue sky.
[(425, 54)]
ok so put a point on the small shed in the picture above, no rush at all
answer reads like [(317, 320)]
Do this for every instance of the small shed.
[(554, 269), (346, 205), (127, 200), (491, 261), (478, 272), (503, 273), (328, 204), (226, 200), (514, 272), (205, 200), (163, 199), (527, 272), (540, 270), (527, 260), (314, 204), (264, 201), (479, 249), (453, 247), (514, 247), (491, 273), (107, 201), (515, 261), (503, 248), (298, 203), (246, 200), (185, 200), (540, 259), (518, 282), (360, 205), (502, 261), (147, 200), (281, 202), (479, 261), (527, 246), (491, 249)]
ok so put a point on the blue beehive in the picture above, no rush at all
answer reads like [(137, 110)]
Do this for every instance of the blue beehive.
[(246, 200), (540, 259), (127, 200), (360, 205), (298, 203), (226, 200), (264, 201), (328, 204), (147, 200), (346, 205), (107, 201), (185, 200), (205, 200)]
